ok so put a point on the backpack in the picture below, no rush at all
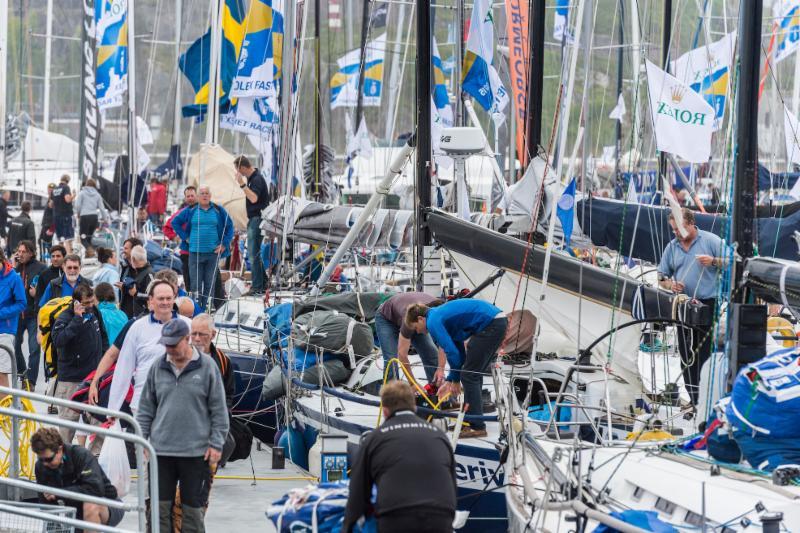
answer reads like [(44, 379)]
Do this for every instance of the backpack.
[(48, 314), (243, 437)]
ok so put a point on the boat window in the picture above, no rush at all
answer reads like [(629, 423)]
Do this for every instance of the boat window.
[(665, 506)]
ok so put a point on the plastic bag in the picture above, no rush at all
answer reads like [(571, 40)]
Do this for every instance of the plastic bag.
[(114, 462)]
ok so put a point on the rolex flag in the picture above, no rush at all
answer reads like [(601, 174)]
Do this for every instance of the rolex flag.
[(682, 120)]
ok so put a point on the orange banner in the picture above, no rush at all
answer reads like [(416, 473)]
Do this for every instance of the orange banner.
[(517, 22)]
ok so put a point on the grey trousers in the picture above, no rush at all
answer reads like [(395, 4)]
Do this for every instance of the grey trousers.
[(335, 372)]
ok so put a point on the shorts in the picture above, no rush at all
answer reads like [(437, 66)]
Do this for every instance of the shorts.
[(115, 516), (64, 227), (6, 352)]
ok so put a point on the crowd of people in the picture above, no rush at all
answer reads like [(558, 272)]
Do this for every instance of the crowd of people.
[(142, 328)]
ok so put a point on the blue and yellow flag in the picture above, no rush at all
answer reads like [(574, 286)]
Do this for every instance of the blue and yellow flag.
[(787, 32), (440, 97), (479, 78), (344, 84), (112, 53), (194, 63)]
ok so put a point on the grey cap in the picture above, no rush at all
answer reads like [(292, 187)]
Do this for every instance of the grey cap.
[(173, 332)]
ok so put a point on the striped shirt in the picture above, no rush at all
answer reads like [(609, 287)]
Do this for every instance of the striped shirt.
[(204, 236)]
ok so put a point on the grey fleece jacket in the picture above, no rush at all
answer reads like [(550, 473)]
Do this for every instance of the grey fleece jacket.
[(89, 202), (184, 415)]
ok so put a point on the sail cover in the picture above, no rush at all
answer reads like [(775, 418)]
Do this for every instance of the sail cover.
[(642, 231)]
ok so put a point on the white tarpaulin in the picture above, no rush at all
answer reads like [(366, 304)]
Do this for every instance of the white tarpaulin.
[(213, 166), (682, 120)]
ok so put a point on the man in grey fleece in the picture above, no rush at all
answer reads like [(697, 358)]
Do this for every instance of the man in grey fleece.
[(182, 411), (87, 205)]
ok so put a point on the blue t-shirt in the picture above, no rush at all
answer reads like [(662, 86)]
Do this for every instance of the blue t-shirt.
[(682, 265), (204, 236)]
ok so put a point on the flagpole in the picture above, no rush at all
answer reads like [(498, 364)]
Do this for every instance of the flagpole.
[(422, 234), (394, 75), (362, 67), (212, 126), (317, 104), (459, 118), (637, 66), (48, 47)]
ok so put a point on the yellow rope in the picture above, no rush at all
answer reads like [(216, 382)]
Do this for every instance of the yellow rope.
[(397, 362), (26, 430)]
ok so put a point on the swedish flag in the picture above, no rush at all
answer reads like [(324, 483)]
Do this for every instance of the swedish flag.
[(194, 63)]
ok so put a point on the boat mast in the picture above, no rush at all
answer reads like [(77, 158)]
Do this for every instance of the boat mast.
[(620, 70), (48, 47), (746, 159), (422, 234), (3, 86), (533, 113), (637, 70), (133, 139), (394, 75), (315, 193), (176, 114), (666, 37), (459, 115), (362, 69)]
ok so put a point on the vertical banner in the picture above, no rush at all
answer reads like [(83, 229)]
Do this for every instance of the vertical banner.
[(517, 24), (90, 117)]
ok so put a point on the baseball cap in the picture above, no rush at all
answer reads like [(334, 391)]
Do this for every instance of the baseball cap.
[(173, 331)]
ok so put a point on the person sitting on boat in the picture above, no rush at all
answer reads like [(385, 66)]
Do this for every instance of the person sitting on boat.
[(451, 325), (395, 337), (690, 265), (208, 229), (416, 491)]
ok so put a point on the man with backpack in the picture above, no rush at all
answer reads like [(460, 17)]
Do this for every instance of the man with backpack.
[(80, 339), (12, 304)]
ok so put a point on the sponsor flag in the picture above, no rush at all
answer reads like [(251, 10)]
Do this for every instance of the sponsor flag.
[(560, 21), (112, 52), (194, 63), (90, 114), (619, 110), (256, 69), (480, 78), (251, 115), (344, 84), (565, 210), (787, 27), (441, 100), (359, 144), (682, 120), (633, 197), (517, 26), (706, 70), (792, 134)]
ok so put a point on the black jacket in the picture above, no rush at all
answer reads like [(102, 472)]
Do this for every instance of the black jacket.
[(45, 277), (412, 464), (19, 229), (46, 233), (3, 217), (79, 472), (226, 368), (80, 343), (136, 305), (28, 273)]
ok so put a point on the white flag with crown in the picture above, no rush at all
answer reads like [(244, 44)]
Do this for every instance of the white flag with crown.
[(682, 119)]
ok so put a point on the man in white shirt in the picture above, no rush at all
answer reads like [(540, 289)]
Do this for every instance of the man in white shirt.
[(141, 347)]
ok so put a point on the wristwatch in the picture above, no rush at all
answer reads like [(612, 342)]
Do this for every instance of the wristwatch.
[(242, 186)]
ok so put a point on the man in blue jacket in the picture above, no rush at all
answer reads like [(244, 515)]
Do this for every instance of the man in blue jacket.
[(12, 304), (452, 324), (65, 284), (208, 229)]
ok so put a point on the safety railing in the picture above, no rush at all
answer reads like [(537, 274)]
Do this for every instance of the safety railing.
[(136, 438)]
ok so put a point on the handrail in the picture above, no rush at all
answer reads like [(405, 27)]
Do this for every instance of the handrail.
[(35, 487), (140, 443), (46, 517)]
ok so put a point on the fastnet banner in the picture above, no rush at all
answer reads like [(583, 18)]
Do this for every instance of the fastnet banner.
[(112, 52)]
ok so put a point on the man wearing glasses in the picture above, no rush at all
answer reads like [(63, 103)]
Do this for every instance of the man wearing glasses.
[(65, 285), (73, 468)]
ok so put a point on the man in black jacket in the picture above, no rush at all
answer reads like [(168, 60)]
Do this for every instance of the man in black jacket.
[(80, 341), (21, 228), (57, 255), (416, 491), (5, 196), (28, 269), (75, 469)]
